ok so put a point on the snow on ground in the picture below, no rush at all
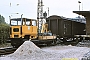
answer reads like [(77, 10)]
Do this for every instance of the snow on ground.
[(29, 51)]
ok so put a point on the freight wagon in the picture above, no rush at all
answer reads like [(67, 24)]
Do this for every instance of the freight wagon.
[(65, 28)]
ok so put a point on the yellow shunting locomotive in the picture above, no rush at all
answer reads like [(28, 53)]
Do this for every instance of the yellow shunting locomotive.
[(22, 29)]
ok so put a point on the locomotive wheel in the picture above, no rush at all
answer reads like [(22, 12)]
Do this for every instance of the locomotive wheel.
[(54, 42)]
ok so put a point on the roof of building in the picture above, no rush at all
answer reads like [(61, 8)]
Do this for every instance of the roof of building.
[(83, 13)]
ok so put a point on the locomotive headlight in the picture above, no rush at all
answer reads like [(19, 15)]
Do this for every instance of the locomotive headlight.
[(22, 37), (28, 27)]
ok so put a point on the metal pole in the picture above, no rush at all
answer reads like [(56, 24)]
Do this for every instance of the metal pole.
[(48, 11), (38, 17), (79, 5), (10, 19), (79, 9), (21, 19), (82, 6)]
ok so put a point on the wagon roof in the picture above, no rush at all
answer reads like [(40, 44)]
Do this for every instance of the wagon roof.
[(56, 17)]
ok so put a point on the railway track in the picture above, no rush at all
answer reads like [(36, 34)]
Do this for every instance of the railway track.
[(7, 50), (84, 43)]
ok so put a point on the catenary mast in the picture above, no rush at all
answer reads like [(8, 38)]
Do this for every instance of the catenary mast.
[(40, 14)]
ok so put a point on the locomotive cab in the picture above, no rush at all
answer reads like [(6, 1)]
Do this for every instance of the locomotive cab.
[(22, 29)]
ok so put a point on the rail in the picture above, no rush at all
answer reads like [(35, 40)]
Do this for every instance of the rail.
[(8, 50)]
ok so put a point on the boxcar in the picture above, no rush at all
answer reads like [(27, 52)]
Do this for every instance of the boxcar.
[(64, 27)]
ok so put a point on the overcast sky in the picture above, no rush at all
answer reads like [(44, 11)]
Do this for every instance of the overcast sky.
[(29, 7)]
